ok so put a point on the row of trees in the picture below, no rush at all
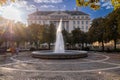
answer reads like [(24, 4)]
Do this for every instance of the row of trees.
[(13, 32), (106, 29), (42, 34), (35, 34), (102, 30)]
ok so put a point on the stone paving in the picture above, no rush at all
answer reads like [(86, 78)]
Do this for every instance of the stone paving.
[(97, 66)]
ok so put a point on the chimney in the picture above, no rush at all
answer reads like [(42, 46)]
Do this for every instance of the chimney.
[(76, 9)]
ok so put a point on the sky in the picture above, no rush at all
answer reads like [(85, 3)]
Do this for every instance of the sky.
[(20, 10)]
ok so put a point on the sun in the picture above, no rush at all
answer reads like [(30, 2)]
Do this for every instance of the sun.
[(11, 12)]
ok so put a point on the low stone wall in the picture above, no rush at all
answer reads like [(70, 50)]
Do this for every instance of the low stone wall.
[(67, 55)]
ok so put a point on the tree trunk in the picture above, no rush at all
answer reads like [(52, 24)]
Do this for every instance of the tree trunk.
[(86, 44), (49, 46), (102, 45), (6, 45), (115, 36), (18, 43), (36, 44), (115, 42), (82, 45)]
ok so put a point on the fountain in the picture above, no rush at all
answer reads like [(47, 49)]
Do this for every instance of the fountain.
[(59, 52), (59, 44)]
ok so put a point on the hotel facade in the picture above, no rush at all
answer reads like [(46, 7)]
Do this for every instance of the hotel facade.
[(71, 19)]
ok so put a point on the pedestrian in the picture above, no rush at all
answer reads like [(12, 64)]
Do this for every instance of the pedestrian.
[(12, 50), (17, 50)]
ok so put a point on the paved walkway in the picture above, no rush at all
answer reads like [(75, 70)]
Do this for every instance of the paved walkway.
[(97, 66)]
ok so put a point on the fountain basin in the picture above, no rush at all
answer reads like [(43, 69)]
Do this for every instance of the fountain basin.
[(69, 54)]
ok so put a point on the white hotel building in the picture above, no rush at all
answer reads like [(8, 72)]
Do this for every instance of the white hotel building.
[(71, 19)]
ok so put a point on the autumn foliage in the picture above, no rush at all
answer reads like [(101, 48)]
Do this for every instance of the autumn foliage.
[(96, 4)]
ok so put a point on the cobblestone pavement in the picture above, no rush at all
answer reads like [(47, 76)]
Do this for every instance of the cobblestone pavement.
[(97, 66)]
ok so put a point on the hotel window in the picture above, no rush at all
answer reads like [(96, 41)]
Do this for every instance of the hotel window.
[(67, 26), (86, 22), (82, 17), (73, 27), (82, 22), (87, 17), (86, 27), (73, 22), (54, 23), (74, 17), (63, 24), (78, 22), (33, 17), (66, 17), (82, 27), (39, 22), (37, 17), (43, 22), (33, 22)]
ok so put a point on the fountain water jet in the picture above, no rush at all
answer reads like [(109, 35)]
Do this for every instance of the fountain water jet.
[(59, 52), (59, 44)]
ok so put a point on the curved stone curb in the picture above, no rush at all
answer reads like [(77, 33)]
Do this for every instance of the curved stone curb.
[(59, 71), (89, 60)]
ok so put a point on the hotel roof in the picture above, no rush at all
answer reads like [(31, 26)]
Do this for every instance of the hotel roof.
[(50, 12)]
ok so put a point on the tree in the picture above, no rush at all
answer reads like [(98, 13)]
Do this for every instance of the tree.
[(49, 34), (36, 34), (88, 38), (83, 38), (118, 20), (13, 32), (78, 37), (65, 36), (105, 29), (112, 26), (97, 31), (95, 4), (20, 33), (2, 2), (1, 35)]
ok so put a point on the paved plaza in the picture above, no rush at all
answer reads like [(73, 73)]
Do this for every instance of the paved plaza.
[(97, 66)]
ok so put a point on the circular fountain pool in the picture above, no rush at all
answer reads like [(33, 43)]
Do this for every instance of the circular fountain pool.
[(68, 54)]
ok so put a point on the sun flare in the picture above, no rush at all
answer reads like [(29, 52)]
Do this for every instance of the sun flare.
[(11, 12)]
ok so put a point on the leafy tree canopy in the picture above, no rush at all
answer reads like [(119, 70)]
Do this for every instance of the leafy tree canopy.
[(96, 4), (2, 2)]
